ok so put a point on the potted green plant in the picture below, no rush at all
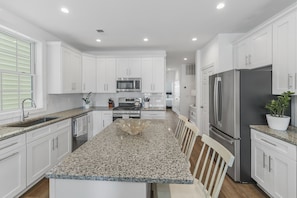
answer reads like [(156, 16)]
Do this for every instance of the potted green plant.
[(277, 119), (87, 100)]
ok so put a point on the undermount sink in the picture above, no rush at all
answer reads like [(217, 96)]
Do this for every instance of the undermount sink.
[(32, 122)]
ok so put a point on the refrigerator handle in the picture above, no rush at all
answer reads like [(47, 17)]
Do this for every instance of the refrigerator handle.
[(216, 133), (215, 93), (219, 101)]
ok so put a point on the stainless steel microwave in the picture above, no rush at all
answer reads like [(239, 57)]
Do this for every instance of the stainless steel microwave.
[(129, 85)]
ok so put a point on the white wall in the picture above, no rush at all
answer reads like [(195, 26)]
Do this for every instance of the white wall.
[(176, 92), (170, 76), (52, 103)]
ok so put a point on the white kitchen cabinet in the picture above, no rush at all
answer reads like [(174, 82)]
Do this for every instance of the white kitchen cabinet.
[(12, 166), (273, 165), (128, 67), (106, 75), (46, 146), (255, 51), (101, 119), (153, 114), (153, 75), (90, 125), (219, 53), (64, 69), (89, 74), (284, 70)]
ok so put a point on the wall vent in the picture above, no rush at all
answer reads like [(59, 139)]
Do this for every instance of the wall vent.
[(190, 69)]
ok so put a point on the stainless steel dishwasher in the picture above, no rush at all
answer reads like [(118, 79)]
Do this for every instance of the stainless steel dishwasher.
[(79, 131)]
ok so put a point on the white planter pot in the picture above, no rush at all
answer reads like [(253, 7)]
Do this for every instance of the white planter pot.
[(278, 123), (146, 105), (87, 106)]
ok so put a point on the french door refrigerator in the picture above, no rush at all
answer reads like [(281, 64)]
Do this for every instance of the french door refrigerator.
[(237, 100)]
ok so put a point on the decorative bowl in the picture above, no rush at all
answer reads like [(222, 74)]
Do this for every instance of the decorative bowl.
[(133, 126)]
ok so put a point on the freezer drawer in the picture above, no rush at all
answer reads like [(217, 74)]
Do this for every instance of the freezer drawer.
[(233, 145)]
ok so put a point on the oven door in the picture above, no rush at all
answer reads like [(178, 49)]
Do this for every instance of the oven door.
[(233, 145)]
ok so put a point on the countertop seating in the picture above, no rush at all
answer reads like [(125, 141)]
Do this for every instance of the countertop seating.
[(179, 128), (211, 172), (188, 137)]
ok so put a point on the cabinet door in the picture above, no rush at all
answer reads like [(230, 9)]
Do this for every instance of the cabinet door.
[(283, 171), (135, 67), (101, 85), (39, 157), (147, 72), (75, 72), (122, 67), (284, 53), (158, 76), (241, 56), (89, 74), (66, 71), (97, 122), (13, 172), (62, 144), (106, 118), (110, 75), (90, 125), (261, 48)]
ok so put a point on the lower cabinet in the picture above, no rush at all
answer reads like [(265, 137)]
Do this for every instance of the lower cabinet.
[(53, 144), (273, 165), (12, 166), (101, 119), (153, 114)]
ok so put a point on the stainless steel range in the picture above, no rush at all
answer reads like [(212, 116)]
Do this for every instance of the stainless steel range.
[(128, 108)]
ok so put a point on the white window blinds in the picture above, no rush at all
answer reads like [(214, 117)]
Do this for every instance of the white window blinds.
[(16, 72)]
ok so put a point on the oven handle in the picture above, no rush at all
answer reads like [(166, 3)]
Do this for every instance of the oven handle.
[(216, 133)]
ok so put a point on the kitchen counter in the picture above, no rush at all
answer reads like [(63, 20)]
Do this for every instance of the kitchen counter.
[(154, 109), (113, 155), (7, 132), (289, 136)]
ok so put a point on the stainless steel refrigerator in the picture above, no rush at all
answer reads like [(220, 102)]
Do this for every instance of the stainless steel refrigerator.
[(237, 100)]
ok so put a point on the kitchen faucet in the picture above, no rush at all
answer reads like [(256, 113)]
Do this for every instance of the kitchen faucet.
[(23, 110)]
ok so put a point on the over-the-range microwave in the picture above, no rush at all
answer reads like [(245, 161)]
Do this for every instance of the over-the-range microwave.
[(129, 85)]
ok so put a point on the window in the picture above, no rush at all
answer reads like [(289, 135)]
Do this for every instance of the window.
[(16, 72)]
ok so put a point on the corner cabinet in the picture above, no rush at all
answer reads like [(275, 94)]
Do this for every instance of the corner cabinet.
[(12, 166), (153, 75), (64, 69), (89, 74), (128, 67), (284, 70), (106, 75), (255, 51), (101, 119), (273, 165)]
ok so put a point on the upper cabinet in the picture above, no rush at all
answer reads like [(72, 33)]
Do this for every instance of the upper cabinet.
[(219, 53), (128, 67), (106, 75), (64, 69), (153, 75), (254, 51), (284, 68), (89, 74)]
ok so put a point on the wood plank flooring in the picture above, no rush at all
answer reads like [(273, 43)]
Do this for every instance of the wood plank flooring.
[(230, 189)]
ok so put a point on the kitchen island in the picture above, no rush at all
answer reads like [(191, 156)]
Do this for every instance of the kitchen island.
[(115, 164)]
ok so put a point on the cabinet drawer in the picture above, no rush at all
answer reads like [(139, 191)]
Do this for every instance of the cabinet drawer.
[(38, 133), (275, 144), (12, 143), (60, 125)]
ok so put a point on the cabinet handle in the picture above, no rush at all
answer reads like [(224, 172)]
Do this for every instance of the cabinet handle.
[(268, 142), (57, 142), (106, 87), (264, 156), (53, 144), (250, 59), (290, 80), (8, 146), (269, 167), (84, 86), (246, 60), (8, 156)]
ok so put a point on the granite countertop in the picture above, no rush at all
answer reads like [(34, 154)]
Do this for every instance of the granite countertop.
[(154, 109), (290, 135), (8, 132), (153, 156)]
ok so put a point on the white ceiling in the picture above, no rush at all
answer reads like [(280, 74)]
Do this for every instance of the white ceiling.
[(169, 24)]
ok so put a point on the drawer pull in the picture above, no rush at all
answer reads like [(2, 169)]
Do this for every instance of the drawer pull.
[(268, 142), (8, 146), (269, 164), (8, 156)]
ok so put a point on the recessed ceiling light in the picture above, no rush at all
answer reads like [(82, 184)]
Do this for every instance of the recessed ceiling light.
[(145, 39), (98, 40), (185, 59), (220, 5), (194, 39), (64, 10)]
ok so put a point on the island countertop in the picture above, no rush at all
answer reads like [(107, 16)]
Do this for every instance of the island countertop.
[(153, 156)]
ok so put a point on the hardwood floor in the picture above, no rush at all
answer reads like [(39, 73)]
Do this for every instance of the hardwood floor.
[(229, 189)]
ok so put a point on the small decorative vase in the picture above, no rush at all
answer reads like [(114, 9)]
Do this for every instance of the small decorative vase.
[(278, 123), (146, 105), (87, 106)]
